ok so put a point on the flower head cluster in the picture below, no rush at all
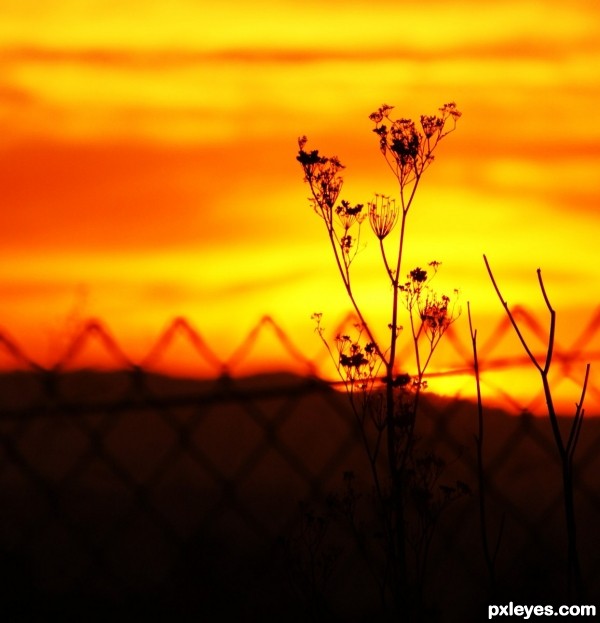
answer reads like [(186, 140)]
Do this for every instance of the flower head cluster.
[(418, 275), (431, 125), (417, 280), (323, 176), (407, 149), (348, 214), (437, 313), (357, 362), (383, 215), (434, 313), (325, 181)]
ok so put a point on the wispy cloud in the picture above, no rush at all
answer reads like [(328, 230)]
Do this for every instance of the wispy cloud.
[(541, 47)]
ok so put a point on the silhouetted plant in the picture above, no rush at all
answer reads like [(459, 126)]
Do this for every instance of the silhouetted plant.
[(489, 554), (566, 447), (310, 561), (408, 494)]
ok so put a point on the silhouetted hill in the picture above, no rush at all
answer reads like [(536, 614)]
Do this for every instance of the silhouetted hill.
[(136, 491)]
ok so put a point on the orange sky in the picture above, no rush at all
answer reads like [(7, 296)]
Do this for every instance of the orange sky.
[(147, 160)]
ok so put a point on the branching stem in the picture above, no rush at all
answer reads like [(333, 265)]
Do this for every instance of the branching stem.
[(566, 450)]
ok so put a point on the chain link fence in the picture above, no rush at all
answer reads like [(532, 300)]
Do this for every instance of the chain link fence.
[(128, 492)]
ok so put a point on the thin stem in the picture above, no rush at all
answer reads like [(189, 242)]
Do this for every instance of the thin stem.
[(488, 557), (385, 261), (396, 283), (552, 323), (552, 415), (510, 316), (326, 214), (347, 285), (579, 414)]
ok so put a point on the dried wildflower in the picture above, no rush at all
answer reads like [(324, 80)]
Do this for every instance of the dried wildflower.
[(431, 124), (346, 243), (418, 275), (380, 113), (348, 215), (436, 314), (352, 361), (383, 215), (356, 362), (451, 110), (371, 348), (417, 280), (408, 150), (323, 176), (404, 141)]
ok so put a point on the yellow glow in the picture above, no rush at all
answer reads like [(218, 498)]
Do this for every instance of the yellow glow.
[(227, 24), (147, 164)]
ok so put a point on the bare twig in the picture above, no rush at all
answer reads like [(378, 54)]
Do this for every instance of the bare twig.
[(566, 450)]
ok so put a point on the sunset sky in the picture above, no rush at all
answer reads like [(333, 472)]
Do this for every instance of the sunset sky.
[(147, 161)]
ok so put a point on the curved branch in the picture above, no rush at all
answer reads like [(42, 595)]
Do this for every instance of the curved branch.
[(511, 317)]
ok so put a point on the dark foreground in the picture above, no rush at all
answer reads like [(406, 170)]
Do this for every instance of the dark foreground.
[(135, 496)]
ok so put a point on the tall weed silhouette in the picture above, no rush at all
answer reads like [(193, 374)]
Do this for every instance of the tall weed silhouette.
[(385, 396)]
